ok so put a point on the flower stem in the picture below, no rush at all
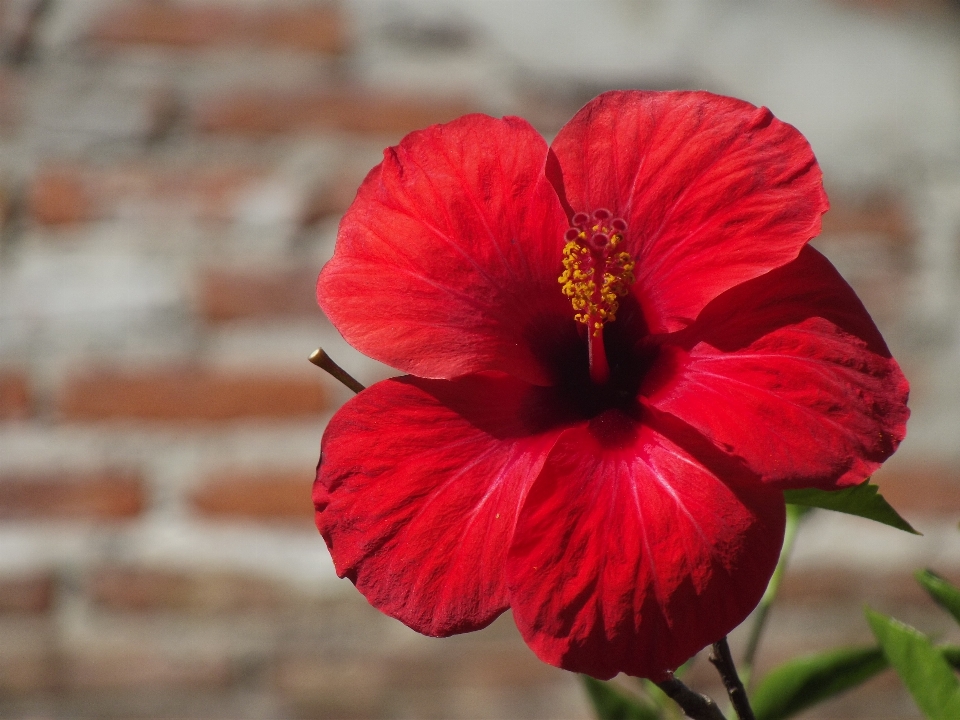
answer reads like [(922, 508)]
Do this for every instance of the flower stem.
[(794, 515), (693, 704), (323, 361), (723, 660), (599, 368)]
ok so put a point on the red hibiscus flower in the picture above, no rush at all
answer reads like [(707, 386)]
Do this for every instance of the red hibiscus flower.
[(620, 351)]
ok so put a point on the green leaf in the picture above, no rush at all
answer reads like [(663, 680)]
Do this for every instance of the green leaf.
[(611, 703), (951, 653), (943, 593), (863, 500), (921, 666), (806, 681)]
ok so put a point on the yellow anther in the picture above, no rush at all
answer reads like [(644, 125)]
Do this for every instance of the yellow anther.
[(594, 277)]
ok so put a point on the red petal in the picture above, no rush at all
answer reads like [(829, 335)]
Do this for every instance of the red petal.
[(789, 373), (630, 554), (714, 191), (448, 259), (418, 490)]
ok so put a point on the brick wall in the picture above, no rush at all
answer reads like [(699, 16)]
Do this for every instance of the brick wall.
[(171, 176)]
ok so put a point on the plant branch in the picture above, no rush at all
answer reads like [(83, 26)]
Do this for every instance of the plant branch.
[(323, 361), (794, 515), (693, 704), (723, 661)]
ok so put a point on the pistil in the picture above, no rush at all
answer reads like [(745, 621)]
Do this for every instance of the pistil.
[(595, 276), (597, 353)]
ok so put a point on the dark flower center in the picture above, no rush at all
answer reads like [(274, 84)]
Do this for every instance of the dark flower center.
[(631, 357)]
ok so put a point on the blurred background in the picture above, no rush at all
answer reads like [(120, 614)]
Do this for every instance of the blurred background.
[(171, 178)]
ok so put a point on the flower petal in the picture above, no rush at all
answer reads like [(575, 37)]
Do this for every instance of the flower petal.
[(418, 490), (448, 259), (631, 554), (714, 190), (789, 373)]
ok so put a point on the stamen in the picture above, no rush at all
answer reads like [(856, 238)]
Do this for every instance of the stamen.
[(595, 276), (323, 361)]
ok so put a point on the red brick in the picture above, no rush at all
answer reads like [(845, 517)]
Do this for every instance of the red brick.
[(342, 687), (128, 589), (107, 495), (262, 113), (25, 674), (318, 29), (59, 197), (823, 586), (72, 194), (492, 665), (921, 490), (15, 398), (173, 395), (30, 594), (311, 29), (164, 23), (279, 496), (226, 295), (879, 214), (142, 669)]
